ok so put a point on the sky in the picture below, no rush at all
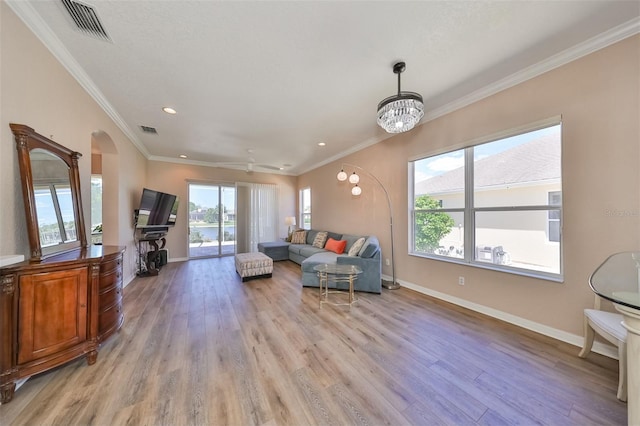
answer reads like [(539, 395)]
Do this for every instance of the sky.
[(45, 209), (434, 166), (206, 196)]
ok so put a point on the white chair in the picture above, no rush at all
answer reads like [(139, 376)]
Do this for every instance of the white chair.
[(609, 326)]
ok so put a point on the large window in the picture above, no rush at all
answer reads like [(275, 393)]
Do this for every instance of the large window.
[(496, 204), (305, 208), (212, 220)]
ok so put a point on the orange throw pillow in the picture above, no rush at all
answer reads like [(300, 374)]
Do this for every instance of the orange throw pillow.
[(336, 246)]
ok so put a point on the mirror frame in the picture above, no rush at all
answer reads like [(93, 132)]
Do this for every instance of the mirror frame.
[(26, 140)]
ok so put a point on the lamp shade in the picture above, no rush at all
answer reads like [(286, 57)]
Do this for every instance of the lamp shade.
[(354, 178), (356, 190), (342, 176), (290, 220)]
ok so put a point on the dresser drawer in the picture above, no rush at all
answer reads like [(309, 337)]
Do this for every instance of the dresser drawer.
[(109, 318), (111, 265), (110, 279), (110, 297)]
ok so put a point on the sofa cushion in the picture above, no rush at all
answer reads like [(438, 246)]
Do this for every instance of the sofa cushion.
[(334, 236), (319, 259), (307, 250), (295, 248), (311, 235), (370, 248), (354, 250), (350, 239), (336, 246), (320, 239), (299, 237)]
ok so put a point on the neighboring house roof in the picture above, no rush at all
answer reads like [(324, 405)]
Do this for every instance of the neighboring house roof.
[(535, 161)]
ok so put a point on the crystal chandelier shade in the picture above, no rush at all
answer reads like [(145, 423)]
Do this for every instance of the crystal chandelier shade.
[(400, 113)]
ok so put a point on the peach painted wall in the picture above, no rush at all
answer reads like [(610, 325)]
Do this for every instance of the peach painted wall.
[(598, 97), (174, 178), (39, 92)]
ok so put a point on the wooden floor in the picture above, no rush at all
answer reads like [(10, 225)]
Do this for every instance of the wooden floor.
[(200, 347)]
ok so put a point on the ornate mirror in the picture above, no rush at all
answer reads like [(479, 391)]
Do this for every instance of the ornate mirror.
[(51, 193)]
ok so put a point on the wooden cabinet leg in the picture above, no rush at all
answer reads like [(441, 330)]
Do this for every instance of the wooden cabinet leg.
[(92, 357), (6, 392)]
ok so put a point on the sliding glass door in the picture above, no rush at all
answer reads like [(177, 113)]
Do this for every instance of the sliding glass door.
[(212, 220)]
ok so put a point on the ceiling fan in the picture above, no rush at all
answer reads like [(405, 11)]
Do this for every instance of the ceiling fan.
[(249, 165)]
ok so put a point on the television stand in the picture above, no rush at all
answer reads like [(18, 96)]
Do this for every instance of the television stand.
[(153, 262)]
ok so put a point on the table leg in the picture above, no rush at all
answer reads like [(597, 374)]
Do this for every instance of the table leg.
[(631, 321), (321, 277), (350, 290)]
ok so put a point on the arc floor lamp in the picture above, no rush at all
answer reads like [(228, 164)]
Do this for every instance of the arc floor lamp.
[(356, 190)]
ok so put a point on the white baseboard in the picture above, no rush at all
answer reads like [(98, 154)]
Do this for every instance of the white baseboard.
[(572, 339)]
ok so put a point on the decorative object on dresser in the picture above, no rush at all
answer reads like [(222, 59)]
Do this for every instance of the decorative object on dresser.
[(67, 299)]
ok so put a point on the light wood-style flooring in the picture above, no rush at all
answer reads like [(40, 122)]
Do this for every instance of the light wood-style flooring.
[(200, 347)]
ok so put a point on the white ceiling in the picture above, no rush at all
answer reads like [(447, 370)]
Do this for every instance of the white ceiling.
[(278, 77)]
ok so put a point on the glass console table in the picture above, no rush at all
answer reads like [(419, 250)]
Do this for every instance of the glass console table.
[(336, 274), (618, 280)]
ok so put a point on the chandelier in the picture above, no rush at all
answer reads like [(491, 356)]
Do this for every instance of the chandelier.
[(400, 113)]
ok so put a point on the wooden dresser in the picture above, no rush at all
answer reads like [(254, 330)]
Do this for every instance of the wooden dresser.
[(56, 310)]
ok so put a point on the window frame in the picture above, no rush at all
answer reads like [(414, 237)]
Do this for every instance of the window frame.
[(469, 210), (550, 219), (304, 215)]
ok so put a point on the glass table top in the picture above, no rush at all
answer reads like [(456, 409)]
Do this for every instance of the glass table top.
[(335, 269), (618, 279)]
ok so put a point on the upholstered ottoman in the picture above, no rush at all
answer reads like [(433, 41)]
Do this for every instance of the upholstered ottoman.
[(277, 250), (253, 265)]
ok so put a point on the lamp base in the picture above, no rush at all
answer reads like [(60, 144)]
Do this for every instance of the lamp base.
[(390, 285)]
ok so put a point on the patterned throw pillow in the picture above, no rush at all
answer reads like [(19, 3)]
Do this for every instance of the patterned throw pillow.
[(355, 248), (321, 238), (299, 237)]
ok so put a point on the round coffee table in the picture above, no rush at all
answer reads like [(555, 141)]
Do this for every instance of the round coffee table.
[(337, 274)]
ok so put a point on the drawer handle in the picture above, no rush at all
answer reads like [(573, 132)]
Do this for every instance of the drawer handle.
[(83, 305)]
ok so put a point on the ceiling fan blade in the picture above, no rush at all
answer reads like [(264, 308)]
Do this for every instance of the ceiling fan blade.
[(266, 166)]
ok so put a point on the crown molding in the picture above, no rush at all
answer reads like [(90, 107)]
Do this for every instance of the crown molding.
[(32, 19), (40, 28), (240, 166), (587, 47)]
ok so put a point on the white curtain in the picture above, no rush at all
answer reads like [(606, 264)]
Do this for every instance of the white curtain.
[(260, 221)]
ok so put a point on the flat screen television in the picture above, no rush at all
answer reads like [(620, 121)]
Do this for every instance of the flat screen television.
[(157, 210)]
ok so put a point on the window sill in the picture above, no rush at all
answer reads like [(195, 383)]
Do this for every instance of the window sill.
[(557, 278)]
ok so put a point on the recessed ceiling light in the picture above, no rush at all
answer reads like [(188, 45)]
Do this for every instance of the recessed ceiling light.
[(169, 110), (321, 144), (182, 156)]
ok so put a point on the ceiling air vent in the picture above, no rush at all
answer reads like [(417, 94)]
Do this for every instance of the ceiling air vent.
[(86, 19), (148, 129)]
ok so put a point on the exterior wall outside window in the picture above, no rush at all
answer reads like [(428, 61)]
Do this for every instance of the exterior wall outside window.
[(514, 185)]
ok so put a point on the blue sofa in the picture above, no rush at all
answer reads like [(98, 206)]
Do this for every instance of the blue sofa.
[(369, 259)]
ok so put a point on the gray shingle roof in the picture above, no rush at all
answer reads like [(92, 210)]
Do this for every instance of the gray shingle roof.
[(538, 160)]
